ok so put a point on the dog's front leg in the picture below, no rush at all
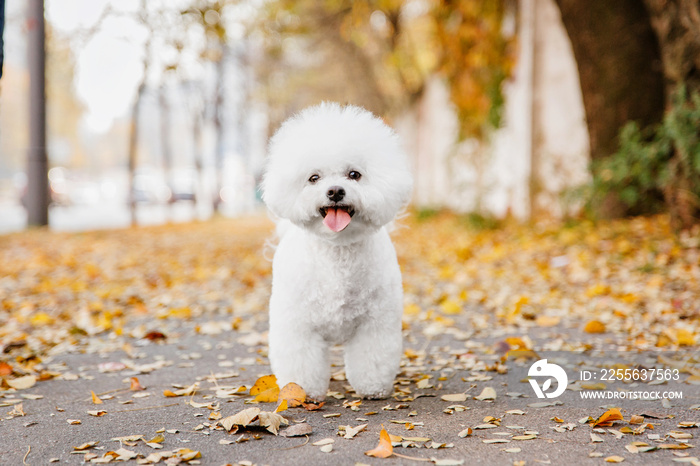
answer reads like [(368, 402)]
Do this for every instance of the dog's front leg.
[(299, 355), (373, 357)]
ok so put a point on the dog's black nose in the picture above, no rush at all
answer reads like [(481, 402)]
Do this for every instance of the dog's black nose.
[(335, 193)]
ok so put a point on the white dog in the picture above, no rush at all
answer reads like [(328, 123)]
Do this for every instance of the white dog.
[(336, 176)]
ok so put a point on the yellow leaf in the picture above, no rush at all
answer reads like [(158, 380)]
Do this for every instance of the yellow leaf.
[(41, 318), (282, 406), (684, 337), (293, 394), (411, 309), (517, 343), (95, 399), (597, 290), (157, 439), (450, 307), (607, 418), (614, 459), (265, 382), (270, 395), (384, 448), (594, 326)]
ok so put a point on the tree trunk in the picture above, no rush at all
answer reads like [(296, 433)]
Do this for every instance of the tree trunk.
[(133, 145), (219, 100), (37, 196), (677, 25), (619, 66), (165, 140)]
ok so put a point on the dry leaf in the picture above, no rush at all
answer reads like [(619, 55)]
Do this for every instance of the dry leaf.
[(351, 432), (136, 385), (594, 326), (466, 432), (614, 459), (86, 446), (191, 390), (97, 413), (293, 394), (242, 418), (384, 448), (264, 383), (313, 406), (607, 418), (322, 442), (95, 399), (5, 369), (487, 393), (271, 421), (22, 383), (297, 430), (455, 398)]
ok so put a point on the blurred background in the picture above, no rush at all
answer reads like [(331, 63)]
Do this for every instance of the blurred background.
[(160, 111)]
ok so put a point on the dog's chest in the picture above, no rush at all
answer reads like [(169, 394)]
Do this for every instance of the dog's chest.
[(340, 295)]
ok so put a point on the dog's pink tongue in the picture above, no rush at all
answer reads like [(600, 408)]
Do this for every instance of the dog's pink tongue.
[(336, 219)]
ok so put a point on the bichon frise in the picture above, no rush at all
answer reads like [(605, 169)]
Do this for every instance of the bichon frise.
[(336, 177)]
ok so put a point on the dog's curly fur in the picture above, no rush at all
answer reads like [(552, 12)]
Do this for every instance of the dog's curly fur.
[(336, 282)]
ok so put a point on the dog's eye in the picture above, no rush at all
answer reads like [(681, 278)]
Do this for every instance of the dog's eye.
[(314, 178), (354, 175)]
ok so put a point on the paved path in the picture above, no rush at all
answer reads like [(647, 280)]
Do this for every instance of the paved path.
[(223, 359)]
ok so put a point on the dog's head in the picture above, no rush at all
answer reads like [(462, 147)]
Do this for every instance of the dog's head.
[(337, 171)]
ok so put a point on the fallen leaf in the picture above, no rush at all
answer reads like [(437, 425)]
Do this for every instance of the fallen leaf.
[(293, 394), (271, 421), (322, 442), (327, 448), (264, 383), (614, 459), (191, 390), (297, 430), (86, 446), (22, 383), (97, 413), (351, 432), (242, 418), (136, 385), (95, 399), (487, 393), (282, 406), (384, 448), (455, 398), (5, 369), (608, 417), (636, 419), (466, 432), (446, 462), (594, 326), (313, 406)]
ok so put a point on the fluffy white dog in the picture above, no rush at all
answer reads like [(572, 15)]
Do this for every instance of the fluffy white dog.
[(336, 177)]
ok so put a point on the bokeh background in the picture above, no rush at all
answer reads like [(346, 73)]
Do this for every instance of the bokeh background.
[(160, 111)]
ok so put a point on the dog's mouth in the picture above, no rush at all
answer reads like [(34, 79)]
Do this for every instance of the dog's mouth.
[(337, 217)]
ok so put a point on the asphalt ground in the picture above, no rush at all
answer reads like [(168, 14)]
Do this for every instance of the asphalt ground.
[(207, 351)]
